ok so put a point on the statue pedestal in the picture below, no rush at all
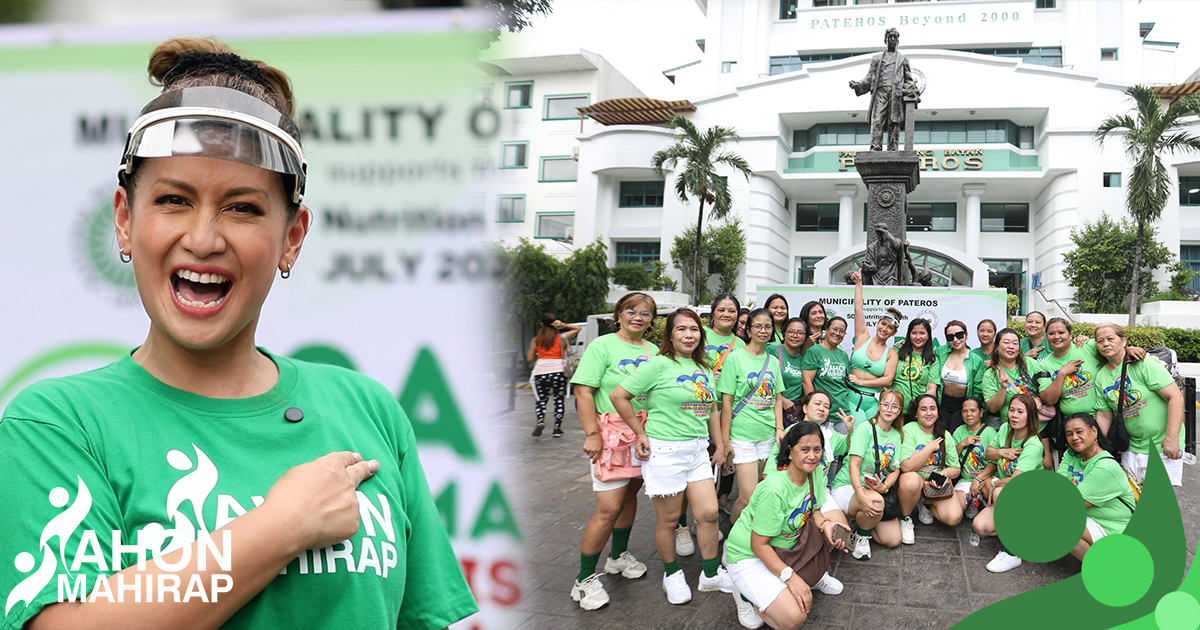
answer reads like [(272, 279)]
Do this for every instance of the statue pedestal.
[(889, 176)]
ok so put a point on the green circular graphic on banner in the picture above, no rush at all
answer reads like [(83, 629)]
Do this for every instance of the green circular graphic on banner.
[(1118, 570), (1177, 611), (100, 243), (1040, 516)]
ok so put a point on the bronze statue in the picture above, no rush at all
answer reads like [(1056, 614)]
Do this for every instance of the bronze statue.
[(889, 81), (885, 257)]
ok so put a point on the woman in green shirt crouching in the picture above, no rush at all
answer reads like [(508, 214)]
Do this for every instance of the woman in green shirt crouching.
[(784, 519), (1100, 479), (926, 449), (678, 386), (1015, 450)]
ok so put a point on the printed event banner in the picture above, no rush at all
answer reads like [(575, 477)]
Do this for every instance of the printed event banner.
[(391, 281), (938, 305)]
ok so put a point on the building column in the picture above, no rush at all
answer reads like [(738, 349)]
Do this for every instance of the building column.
[(846, 194), (972, 193)]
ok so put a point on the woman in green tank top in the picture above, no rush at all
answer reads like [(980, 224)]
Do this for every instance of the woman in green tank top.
[(873, 362)]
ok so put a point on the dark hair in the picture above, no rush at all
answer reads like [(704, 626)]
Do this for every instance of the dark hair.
[(893, 314), (977, 401), (753, 316), (1059, 320), (954, 322), (788, 324), (996, 353), (628, 300), (985, 321), (548, 332), (793, 436), (745, 336), (906, 348), (712, 310), (667, 347), (777, 296), (1038, 313), (808, 398), (1116, 441), (836, 318), (806, 312), (1031, 415), (939, 424)]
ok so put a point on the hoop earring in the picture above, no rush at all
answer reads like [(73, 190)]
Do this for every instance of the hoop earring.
[(125, 258), (287, 273)]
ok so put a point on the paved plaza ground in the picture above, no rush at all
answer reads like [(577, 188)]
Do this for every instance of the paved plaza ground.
[(931, 584)]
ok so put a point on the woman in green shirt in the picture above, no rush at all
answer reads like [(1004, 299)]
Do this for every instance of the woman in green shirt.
[(927, 449), (813, 314), (778, 306), (720, 338), (871, 471), (985, 331), (826, 367), (917, 368), (678, 386), (784, 516), (1011, 374), (791, 356), (1101, 481), (1015, 450), (873, 362), (1033, 345)]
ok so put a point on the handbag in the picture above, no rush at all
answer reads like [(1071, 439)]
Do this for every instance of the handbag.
[(570, 358), (943, 491), (891, 499), (617, 460)]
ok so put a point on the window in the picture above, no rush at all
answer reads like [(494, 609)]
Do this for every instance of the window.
[(561, 168), (932, 217), (642, 253), (518, 95), (1108, 54), (924, 132), (564, 107), (511, 208), (728, 67), (1004, 217), (560, 225), (1045, 4), (1190, 255), (787, 9), (804, 275), (641, 195), (829, 3), (816, 217), (1040, 56), (870, 1), (792, 63), (1189, 191), (514, 154), (1112, 180)]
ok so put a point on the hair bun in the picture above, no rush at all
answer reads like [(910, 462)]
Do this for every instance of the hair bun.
[(203, 63)]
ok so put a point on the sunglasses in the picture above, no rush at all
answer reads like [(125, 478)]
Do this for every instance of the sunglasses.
[(962, 334)]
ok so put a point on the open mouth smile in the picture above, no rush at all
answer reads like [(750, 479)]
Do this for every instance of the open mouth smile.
[(199, 293)]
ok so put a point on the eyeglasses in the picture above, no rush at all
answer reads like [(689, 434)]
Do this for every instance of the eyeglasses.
[(962, 334), (795, 333), (758, 327), (641, 315), (889, 405)]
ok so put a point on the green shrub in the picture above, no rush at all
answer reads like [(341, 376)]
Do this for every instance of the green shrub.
[(1168, 296), (1014, 305), (1185, 342), (1140, 336), (1181, 277), (634, 276)]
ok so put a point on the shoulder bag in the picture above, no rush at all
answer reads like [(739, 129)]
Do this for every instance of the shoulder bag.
[(570, 357), (745, 399), (891, 499)]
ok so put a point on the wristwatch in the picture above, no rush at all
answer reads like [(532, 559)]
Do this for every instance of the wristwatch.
[(785, 574)]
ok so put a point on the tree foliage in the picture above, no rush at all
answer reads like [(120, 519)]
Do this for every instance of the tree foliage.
[(1101, 270), (723, 246), (701, 154), (533, 282), (639, 277), (1148, 132)]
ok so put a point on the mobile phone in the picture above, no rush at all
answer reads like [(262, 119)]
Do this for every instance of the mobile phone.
[(938, 479), (842, 534)]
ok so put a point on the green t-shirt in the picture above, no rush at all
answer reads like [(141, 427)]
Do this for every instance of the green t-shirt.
[(977, 375), (716, 345), (915, 438), (973, 459), (793, 377), (1103, 483), (1029, 459), (1020, 384), (128, 455), (913, 374), (836, 446), (607, 361), (832, 366), (1078, 392), (1145, 410), (1044, 347), (862, 443), (756, 420), (779, 509), (680, 395)]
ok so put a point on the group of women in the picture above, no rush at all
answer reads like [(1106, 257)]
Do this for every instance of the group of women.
[(820, 438)]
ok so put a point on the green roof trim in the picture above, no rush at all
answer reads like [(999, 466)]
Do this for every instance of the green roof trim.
[(1153, 43)]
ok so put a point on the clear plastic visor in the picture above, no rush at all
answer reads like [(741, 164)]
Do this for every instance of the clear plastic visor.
[(215, 138)]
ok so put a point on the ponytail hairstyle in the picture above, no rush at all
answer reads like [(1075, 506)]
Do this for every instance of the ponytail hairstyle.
[(1116, 441), (547, 334), (939, 425), (996, 354), (906, 348), (667, 347), (712, 310), (1031, 422), (793, 436)]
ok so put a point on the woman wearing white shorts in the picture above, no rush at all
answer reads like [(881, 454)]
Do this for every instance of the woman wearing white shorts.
[(751, 387), (677, 384), (1099, 478)]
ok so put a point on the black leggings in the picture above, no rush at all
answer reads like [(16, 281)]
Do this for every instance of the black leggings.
[(951, 412), (550, 384)]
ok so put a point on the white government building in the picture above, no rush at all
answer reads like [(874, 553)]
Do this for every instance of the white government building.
[(1009, 166)]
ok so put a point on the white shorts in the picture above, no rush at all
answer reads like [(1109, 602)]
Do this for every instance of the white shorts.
[(1136, 463), (830, 505), (674, 464), (963, 487), (842, 496), (750, 452), (755, 581), (1096, 531)]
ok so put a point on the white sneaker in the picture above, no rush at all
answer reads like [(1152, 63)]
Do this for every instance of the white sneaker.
[(862, 547), (924, 514), (720, 583), (1003, 562), (590, 592), (747, 615), (683, 541), (626, 565), (676, 588), (906, 530), (829, 585)]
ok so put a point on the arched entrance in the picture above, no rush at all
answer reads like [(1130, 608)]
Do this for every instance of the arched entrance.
[(950, 268)]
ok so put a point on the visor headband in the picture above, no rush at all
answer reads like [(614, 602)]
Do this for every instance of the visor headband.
[(175, 113)]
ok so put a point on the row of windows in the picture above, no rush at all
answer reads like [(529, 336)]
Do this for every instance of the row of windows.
[(519, 95), (1190, 255), (511, 208), (1041, 56), (924, 132), (552, 168), (922, 217), (787, 8)]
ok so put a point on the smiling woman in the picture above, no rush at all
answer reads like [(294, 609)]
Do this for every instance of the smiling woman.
[(297, 455)]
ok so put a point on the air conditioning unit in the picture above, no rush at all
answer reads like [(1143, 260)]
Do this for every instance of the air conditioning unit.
[(575, 153)]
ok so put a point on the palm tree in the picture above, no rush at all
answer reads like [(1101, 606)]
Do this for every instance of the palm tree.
[(1148, 132), (702, 153)]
